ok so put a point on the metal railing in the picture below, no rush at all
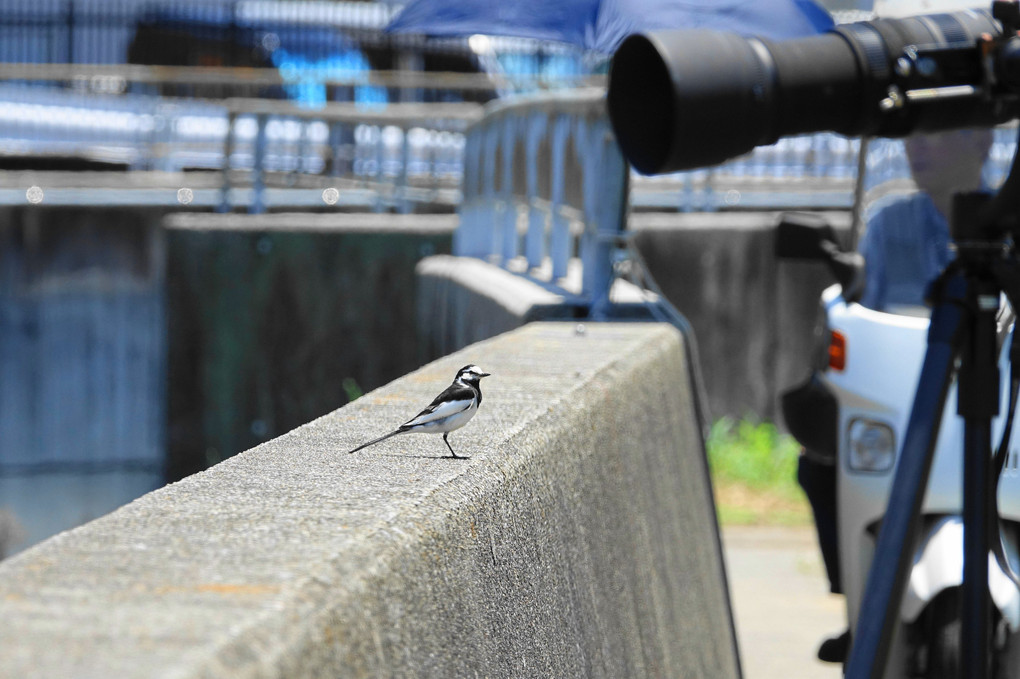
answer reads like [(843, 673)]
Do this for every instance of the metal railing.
[(388, 152), (816, 171), (387, 155), (185, 81), (544, 182), (380, 155), (545, 188), (403, 153)]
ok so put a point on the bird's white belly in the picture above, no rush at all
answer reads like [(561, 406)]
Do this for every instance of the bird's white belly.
[(455, 421)]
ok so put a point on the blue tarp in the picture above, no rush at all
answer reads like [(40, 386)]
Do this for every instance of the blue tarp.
[(602, 24), (305, 55)]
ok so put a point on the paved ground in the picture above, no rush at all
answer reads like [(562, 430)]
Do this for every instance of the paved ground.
[(781, 602)]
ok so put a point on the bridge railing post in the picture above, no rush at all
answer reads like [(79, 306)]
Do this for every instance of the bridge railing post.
[(570, 171)]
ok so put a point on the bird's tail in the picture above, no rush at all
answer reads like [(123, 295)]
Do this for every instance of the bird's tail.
[(375, 441)]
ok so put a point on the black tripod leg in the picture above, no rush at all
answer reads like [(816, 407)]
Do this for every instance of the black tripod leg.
[(978, 404), (977, 488), (890, 567)]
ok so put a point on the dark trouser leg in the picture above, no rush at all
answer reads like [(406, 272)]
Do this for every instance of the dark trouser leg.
[(819, 483)]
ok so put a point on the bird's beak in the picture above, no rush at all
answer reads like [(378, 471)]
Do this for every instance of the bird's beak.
[(485, 374)]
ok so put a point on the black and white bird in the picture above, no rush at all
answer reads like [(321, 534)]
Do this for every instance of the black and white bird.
[(451, 410)]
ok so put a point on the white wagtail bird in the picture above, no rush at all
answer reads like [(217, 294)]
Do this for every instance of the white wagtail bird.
[(449, 411)]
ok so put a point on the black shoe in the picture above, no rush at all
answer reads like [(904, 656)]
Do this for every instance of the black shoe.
[(834, 649)]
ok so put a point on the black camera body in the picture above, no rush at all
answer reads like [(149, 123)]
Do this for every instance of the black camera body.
[(684, 99)]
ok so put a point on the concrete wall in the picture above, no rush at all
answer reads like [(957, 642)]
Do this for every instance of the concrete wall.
[(82, 365), (579, 539), (273, 318), (461, 300), (753, 316)]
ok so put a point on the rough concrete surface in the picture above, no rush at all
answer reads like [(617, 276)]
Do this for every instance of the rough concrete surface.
[(753, 315), (579, 539), (461, 300)]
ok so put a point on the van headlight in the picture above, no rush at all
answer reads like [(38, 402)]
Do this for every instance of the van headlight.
[(872, 446)]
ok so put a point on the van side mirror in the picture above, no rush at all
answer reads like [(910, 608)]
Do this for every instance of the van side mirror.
[(810, 237)]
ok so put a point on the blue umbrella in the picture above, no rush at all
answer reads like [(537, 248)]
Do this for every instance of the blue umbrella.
[(602, 25)]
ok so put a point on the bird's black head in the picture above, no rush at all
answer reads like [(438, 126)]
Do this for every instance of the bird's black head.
[(471, 374)]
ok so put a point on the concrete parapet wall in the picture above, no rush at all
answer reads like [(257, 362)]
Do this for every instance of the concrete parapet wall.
[(462, 300), (753, 316), (273, 318), (579, 539), (82, 365)]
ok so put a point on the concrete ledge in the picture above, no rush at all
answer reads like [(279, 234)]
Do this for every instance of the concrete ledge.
[(462, 300), (578, 540)]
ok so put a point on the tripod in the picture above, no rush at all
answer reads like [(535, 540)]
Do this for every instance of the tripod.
[(962, 329)]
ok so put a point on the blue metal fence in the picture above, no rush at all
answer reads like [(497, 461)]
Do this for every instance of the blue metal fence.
[(544, 182), (401, 152)]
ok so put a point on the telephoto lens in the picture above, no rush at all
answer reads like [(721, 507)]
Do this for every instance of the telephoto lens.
[(689, 98)]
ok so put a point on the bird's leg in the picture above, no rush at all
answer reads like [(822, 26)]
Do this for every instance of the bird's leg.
[(445, 434)]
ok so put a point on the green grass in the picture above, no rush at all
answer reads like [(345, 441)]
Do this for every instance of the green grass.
[(754, 473)]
